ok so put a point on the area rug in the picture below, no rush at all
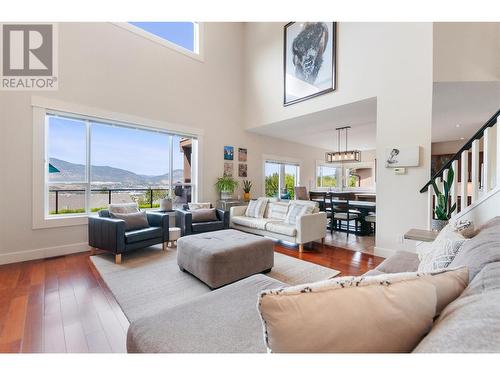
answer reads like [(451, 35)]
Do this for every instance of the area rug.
[(149, 280)]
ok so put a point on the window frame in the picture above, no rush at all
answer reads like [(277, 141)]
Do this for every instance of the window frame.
[(281, 161), (40, 197), (198, 42), (341, 177)]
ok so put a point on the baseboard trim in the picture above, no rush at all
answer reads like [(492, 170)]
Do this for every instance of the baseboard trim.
[(47, 252), (383, 252)]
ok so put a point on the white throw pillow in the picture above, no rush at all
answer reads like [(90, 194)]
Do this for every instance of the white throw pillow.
[(442, 253), (364, 314), (277, 210), (198, 206), (256, 208), (296, 210)]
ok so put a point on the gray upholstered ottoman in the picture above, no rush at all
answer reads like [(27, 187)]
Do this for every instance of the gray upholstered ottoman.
[(225, 256)]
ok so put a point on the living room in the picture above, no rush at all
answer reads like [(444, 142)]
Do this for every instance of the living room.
[(167, 166)]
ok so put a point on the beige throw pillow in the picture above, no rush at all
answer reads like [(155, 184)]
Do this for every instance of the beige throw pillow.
[(379, 314), (203, 215), (198, 206), (134, 220), (256, 208), (123, 208)]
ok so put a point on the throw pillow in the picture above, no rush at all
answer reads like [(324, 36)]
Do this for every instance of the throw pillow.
[(296, 210), (197, 206), (365, 314), (134, 220), (256, 208), (203, 215), (277, 210), (123, 208), (442, 253), (465, 228)]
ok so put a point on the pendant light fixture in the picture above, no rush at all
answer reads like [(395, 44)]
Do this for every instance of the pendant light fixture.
[(342, 156)]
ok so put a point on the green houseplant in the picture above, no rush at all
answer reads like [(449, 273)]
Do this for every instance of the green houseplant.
[(247, 186), (226, 186), (442, 210)]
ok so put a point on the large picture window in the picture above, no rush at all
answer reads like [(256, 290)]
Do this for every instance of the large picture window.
[(91, 163), (280, 179)]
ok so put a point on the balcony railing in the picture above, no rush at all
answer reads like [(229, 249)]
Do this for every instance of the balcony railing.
[(148, 199)]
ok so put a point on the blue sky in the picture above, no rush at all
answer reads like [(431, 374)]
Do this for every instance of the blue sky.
[(180, 33), (142, 152)]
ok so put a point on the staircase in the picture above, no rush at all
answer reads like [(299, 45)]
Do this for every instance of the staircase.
[(476, 183)]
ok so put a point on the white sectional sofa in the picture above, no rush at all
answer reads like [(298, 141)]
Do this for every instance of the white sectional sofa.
[(308, 227)]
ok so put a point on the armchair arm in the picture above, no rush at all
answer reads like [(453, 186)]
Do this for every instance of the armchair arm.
[(159, 219), (236, 211), (184, 220), (107, 234), (224, 217), (311, 227)]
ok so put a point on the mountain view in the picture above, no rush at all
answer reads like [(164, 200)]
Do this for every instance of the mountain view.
[(109, 176)]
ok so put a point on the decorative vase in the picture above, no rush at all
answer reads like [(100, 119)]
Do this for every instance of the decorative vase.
[(437, 225), (246, 197), (165, 204), (226, 195)]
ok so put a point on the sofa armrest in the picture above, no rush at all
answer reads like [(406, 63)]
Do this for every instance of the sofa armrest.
[(401, 261), (184, 220), (236, 211), (107, 234), (311, 227), (224, 217), (159, 219)]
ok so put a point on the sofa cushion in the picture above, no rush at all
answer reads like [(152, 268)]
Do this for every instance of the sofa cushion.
[(201, 215), (251, 222), (207, 226), (139, 235), (282, 228), (133, 221), (256, 208), (212, 323), (385, 313), (471, 323), (401, 261), (484, 248), (277, 210), (197, 206)]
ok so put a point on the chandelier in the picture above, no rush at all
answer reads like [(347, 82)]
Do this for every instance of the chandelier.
[(342, 156)]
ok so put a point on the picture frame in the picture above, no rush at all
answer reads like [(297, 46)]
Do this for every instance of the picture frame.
[(228, 169), (242, 170), (228, 153), (242, 154), (398, 156), (303, 79)]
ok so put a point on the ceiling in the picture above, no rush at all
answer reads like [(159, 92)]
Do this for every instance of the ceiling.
[(468, 104)]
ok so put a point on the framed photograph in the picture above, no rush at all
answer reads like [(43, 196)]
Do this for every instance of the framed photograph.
[(309, 60), (228, 169), (402, 157), (228, 153), (242, 154), (242, 170)]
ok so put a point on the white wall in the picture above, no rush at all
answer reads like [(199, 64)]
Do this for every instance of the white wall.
[(466, 51), (106, 67), (389, 61)]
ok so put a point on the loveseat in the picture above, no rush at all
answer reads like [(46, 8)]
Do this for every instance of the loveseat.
[(471, 323), (308, 227)]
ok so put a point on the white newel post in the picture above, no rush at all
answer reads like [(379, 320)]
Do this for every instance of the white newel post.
[(430, 195), (453, 192), (475, 170), (464, 176), (497, 183), (487, 160)]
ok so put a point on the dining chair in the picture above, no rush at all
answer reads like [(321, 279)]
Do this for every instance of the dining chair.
[(320, 197), (340, 211), (301, 193), (371, 219)]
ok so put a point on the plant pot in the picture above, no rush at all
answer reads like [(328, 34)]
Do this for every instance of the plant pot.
[(437, 225), (226, 195), (165, 204), (246, 197)]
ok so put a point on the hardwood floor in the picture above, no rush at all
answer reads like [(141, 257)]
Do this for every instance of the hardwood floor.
[(62, 304)]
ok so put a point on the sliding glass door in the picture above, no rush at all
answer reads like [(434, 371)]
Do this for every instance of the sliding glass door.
[(280, 179)]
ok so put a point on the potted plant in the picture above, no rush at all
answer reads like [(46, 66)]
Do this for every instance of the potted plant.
[(443, 211), (247, 186), (226, 186)]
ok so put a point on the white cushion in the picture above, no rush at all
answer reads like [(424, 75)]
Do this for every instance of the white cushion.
[(298, 209), (256, 208), (277, 210), (250, 222), (363, 314), (441, 255), (343, 216), (123, 208), (282, 228), (197, 206)]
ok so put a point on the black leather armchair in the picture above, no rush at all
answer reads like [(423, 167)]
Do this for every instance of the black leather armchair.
[(184, 220), (107, 233)]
